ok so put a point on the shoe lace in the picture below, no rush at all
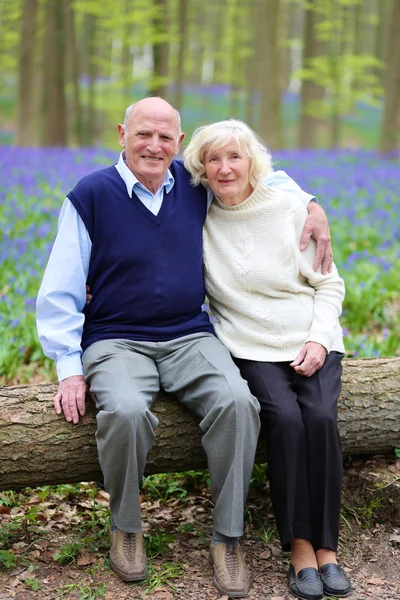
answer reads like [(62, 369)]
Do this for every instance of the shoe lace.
[(231, 561), (129, 544)]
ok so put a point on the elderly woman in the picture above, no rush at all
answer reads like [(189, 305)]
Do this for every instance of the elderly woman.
[(280, 320)]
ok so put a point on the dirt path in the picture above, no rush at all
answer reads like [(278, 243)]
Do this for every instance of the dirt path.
[(178, 526)]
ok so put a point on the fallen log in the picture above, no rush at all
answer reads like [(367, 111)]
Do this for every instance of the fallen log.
[(39, 448)]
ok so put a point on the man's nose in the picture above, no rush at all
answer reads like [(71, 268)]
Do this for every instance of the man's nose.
[(154, 143)]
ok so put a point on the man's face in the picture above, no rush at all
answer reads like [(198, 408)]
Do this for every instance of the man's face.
[(151, 141)]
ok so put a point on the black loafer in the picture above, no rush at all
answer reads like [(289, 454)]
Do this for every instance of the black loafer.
[(335, 581), (307, 584)]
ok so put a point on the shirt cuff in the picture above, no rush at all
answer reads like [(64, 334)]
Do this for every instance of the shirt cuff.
[(69, 365), (309, 198)]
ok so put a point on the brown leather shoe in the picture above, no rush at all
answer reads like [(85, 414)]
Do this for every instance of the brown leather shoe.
[(231, 574), (127, 555)]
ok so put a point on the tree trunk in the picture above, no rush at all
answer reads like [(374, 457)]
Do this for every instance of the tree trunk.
[(39, 448), (270, 89), (250, 79), (126, 55), (183, 38), (391, 112), (90, 26), (159, 85), (25, 127), (311, 92), (73, 75), (54, 109)]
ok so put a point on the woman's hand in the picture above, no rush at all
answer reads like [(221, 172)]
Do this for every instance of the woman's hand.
[(88, 295), (317, 227), (310, 359)]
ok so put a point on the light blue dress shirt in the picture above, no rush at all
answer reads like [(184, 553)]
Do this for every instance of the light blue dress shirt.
[(62, 295)]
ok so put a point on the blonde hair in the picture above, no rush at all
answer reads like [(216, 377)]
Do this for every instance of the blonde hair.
[(211, 138)]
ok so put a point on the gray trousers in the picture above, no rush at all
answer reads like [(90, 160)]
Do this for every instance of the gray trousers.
[(126, 376)]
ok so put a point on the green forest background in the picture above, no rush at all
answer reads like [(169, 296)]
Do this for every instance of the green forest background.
[(324, 73)]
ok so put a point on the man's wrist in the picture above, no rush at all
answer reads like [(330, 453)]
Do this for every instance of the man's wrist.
[(69, 365)]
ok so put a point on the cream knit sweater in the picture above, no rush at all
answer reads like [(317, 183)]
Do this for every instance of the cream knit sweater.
[(266, 298)]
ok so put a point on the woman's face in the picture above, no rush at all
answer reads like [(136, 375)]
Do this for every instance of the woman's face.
[(228, 171)]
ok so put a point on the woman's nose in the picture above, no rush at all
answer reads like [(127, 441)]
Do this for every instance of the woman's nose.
[(225, 168)]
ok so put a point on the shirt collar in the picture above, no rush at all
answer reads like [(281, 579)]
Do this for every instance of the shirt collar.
[(131, 180)]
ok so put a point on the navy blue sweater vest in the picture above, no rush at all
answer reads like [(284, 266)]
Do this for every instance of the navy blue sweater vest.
[(146, 272)]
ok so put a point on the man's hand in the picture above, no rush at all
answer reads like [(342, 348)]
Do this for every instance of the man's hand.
[(317, 227), (70, 398), (311, 358)]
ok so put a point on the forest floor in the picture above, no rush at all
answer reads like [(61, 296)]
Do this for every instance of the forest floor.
[(56, 542)]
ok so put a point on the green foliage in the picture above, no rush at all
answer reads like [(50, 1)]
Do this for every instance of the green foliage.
[(87, 591), (8, 498), (368, 512), (266, 534), (33, 583), (164, 486), (259, 477), (67, 554), (335, 75), (397, 452), (8, 560), (162, 575), (157, 542)]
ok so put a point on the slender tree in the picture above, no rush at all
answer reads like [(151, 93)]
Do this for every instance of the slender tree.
[(126, 55), (25, 134), (159, 83), (390, 135), (311, 92), (269, 73), (54, 105), (91, 68), (182, 49), (75, 120)]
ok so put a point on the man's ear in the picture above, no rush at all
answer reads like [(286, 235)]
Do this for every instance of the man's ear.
[(178, 145), (121, 135)]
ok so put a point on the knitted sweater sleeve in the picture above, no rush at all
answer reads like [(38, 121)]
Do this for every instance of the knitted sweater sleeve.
[(329, 293)]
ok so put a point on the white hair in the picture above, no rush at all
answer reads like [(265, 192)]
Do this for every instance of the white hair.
[(211, 138)]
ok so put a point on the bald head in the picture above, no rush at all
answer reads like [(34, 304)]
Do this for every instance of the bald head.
[(154, 106)]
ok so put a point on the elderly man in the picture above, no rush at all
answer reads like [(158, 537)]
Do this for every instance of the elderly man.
[(133, 232)]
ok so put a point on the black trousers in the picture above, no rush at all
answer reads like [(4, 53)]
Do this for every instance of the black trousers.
[(299, 419)]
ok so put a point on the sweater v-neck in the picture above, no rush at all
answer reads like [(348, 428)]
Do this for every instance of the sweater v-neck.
[(157, 219)]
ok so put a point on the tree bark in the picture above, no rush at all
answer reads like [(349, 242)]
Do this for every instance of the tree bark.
[(54, 106), (75, 122), (269, 63), (391, 112), (183, 39), (311, 92), (159, 85), (25, 126), (38, 448)]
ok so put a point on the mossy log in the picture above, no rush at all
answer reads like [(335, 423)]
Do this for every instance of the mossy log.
[(37, 447)]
